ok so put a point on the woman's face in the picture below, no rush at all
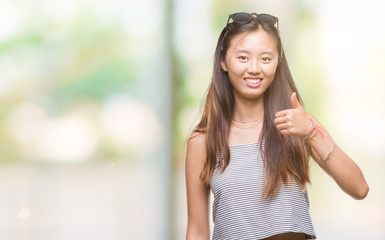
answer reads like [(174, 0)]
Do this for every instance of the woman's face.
[(250, 62)]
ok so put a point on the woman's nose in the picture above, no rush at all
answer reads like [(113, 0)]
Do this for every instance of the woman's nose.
[(254, 67)]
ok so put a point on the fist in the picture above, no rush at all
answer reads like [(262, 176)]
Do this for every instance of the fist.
[(294, 121)]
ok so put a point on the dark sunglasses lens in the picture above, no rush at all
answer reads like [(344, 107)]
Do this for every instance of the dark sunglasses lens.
[(242, 18), (266, 18)]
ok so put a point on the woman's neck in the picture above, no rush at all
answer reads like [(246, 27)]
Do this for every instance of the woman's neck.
[(248, 110)]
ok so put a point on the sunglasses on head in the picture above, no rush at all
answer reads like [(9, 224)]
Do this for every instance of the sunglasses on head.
[(243, 18)]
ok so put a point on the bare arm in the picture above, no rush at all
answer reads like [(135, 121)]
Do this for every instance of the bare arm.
[(198, 194), (339, 165)]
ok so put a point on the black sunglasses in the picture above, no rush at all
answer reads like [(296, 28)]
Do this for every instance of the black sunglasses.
[(243, 18)]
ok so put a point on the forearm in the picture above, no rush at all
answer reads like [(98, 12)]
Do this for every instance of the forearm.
[(339, 165), (196, 235), (330, 157)]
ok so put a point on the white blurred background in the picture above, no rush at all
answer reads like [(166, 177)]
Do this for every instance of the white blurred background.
[(97, 99)]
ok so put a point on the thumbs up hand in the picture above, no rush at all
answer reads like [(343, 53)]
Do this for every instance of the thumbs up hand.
[(294, 101), (294, 121)]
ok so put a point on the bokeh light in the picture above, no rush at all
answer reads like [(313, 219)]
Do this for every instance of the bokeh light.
[(97, 99)]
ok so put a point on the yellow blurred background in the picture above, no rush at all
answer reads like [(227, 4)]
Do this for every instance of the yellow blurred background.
[(98, 97)]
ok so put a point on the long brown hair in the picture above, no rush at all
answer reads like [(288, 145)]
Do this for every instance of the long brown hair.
[(285, 157)]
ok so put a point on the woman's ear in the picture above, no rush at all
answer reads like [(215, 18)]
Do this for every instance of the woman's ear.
[(223, 65)]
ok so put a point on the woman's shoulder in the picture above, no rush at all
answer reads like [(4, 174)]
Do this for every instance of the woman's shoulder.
[(196, 140), (195, 153)]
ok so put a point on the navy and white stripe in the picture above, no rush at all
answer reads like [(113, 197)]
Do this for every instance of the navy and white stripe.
[(238, 209)]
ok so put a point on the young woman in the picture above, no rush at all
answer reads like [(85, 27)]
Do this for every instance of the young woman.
[(254, 141)]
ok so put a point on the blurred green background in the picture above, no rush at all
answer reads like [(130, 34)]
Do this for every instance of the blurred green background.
[(98, 97)]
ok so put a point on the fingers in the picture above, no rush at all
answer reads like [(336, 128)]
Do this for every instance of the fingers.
[(290, 121), (282, 113), (284, 122), (282, 127), (280, 120), (285, 129), (284, 132)]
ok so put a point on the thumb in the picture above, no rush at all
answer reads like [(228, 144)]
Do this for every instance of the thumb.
[(294, 101)]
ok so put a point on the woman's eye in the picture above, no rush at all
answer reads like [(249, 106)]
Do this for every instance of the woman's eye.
[(265, 59), (243, 58)]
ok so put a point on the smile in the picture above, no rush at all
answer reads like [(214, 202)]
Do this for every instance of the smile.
[(253, 82), (250, 80)]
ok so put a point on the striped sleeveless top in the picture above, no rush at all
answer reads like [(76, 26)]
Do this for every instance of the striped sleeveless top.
[(239, 213)]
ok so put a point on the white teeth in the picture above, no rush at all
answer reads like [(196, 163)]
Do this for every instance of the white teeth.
[(252, 80)]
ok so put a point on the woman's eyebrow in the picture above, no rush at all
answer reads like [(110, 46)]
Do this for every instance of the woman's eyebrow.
[(242, 51), (267, 52), (247, 51)]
